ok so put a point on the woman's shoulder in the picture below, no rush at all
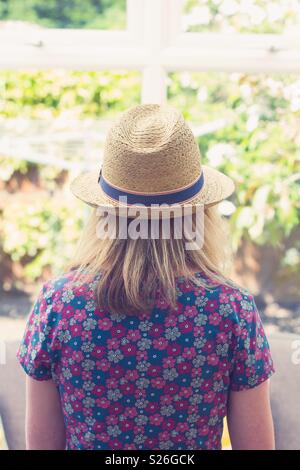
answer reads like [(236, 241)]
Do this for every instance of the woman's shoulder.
[(225, 297), (67, 284)]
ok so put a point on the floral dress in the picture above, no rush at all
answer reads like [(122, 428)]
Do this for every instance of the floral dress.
[(151, 381)]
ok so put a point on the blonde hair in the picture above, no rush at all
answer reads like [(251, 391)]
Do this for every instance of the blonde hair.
[(132, 271)]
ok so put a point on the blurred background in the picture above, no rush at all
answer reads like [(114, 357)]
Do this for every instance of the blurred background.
[(68, 67)]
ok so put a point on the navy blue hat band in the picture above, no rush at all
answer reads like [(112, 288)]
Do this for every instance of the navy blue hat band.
[(174, 197)]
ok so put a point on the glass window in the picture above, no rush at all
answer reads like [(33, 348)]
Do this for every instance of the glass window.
[(75, 14), (242, 16), (61, 116)]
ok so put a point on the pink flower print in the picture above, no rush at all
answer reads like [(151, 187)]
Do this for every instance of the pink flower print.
[(77, 406), (151, 443), (225, 325), (166, 399), (142, 355), (171, 389), (154, 371), (181, 405), (117, 372), (189, 353), (133, 335), (140, 393), (211, 306), (209, 397), (62, 324), (161, 303), (103, 365), (58, 306), (160, 343), (86, 375), (170, 321), (174, 349), (186, 392), (116, 408), (68, 352), (139, 430), (130, 412), (156, 331), (168, 424), (103, 437), (207, 385), (80, 291), (212, 359), (99, 390), (111, 383), (80, 314), (184, 367), (223, 364), (132, 375), (98, 352), (86, 336), (209, 346), (223, 298), (56, 345), (69, 311), (105, 324), (247, 315), (79, 393), (77, 356), (164, 436), (76, 369), (186, 326), (152, 407), (129, 349), (118, 331), (199, 331), (75, 330), (203, 431), (222, 338), (102, 402), (126, 426), (168, 362), (111, 420), (156, 419), (99, 427), (127, 389), (182, 427), (157, 383), (191, 311), (113, 343), (130, 447), (214, 318)]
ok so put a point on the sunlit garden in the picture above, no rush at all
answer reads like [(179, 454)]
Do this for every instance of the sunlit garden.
[(53, 123)]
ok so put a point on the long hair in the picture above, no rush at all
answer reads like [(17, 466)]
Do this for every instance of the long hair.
[(131, 272)]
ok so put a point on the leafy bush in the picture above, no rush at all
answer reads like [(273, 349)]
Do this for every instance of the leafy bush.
[(102, 14), (258, 145)]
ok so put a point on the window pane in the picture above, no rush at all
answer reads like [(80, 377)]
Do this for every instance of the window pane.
[(59, 116), (249, 127), (87, 14), (252, 16)]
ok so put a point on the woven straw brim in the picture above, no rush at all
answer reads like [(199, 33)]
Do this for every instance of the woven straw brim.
[(216, 188)]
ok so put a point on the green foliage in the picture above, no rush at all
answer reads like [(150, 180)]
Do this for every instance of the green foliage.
[(249, 16), (41, 231), (258, 145), (41, 94), (93, 14)]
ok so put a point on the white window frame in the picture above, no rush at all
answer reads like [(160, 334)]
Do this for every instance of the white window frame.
[(152, 43)]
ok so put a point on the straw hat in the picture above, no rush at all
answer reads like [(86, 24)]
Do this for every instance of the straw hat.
[(151, 157)]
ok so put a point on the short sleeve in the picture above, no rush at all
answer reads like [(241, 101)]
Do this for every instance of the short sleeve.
[(33, 353), (252, 361)]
